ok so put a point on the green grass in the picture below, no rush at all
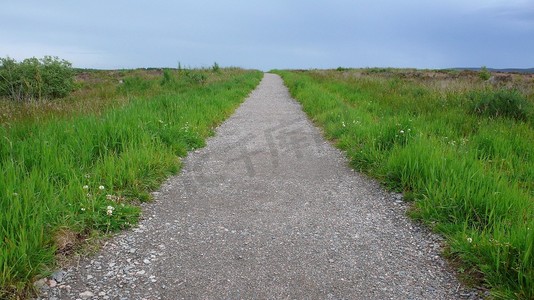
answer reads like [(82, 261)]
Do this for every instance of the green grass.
[(470, 175), (64, 164)]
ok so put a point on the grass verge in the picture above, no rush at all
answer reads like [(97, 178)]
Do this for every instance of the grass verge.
[(470, 173), (80, 164)]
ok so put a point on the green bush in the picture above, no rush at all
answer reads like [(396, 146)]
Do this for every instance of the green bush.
[(215, 68), (35, 79), (484, 74), (168, 78), (196, 77), (501, 103)]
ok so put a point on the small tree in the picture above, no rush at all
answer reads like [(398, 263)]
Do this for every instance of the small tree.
[(484, 74), (10, 75), (215, 68), (167, 78), (35, 79)]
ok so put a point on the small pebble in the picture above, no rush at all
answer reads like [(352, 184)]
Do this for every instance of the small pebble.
[(52, 283), (86, 294)]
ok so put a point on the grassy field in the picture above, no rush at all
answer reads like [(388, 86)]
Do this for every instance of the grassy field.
[(80, 165), (459, 146)]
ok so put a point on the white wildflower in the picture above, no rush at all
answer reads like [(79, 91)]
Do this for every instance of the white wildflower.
[(402, 131), (469, 240), (82, 209), (101, 187), (85, 187), (110, 210)]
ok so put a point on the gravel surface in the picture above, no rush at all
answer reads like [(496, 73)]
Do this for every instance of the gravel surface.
[(267, 209)]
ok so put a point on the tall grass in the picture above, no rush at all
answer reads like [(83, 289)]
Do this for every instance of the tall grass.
[(67, 175), (470, 175)]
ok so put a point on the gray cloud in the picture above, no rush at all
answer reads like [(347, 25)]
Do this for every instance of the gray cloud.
[(272, 34)]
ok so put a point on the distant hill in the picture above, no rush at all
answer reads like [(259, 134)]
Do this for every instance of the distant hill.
[(510, 70)]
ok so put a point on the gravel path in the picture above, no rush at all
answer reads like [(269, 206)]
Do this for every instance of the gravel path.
[(268, 210)]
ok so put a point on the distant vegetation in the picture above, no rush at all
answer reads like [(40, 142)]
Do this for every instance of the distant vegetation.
[(79, 165), (459, 146), (35, 79), (484, 74), (510, 70)]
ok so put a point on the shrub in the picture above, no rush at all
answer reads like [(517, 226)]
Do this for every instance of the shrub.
[(167, 77), (196, 77), (35, 79), (484, 74), (500, 103), (215, 68)]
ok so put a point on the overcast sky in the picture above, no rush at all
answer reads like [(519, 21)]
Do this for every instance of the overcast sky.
[(272, 33)]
